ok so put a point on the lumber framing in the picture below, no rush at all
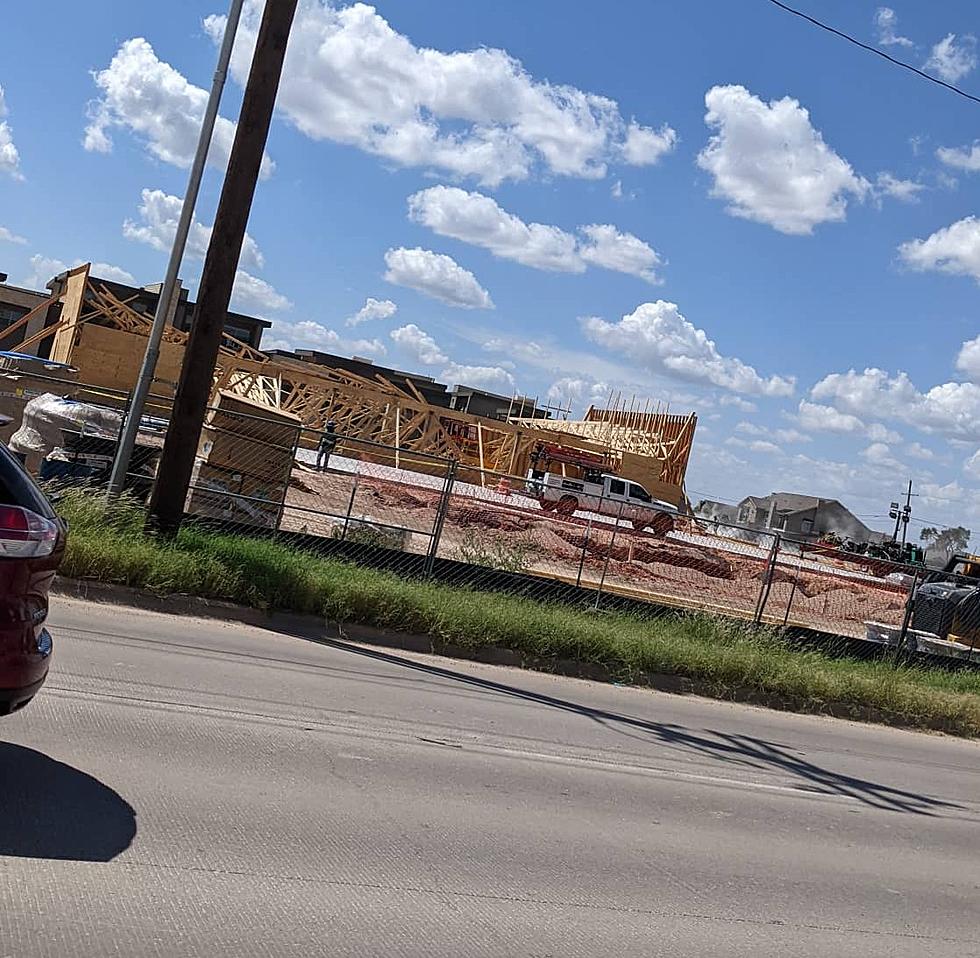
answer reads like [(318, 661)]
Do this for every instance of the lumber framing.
[(652, 448)]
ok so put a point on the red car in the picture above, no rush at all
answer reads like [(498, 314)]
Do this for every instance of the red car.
[(32, 542)]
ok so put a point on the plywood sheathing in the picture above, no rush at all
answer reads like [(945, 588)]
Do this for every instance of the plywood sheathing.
[(652, 448)]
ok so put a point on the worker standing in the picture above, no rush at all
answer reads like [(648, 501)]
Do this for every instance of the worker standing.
[(328, 442)]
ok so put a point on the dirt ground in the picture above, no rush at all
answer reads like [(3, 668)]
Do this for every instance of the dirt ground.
[(510, 533)]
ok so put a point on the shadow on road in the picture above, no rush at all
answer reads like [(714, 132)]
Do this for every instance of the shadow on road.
[(743, 750), (51, 810)]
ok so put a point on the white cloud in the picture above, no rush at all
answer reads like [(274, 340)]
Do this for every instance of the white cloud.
[(6, 236), (253, 295), (303, 335), (349, 77), (886, 29), (480, 220), (622, 252), (791, 435), (419, 345), (953, 249), (968, 359), (905, 191), (482, 377), (827, 419), (553, 357), (879, 454), (938, 494), (961, 157), (657, 337), (753, 445), (436, 275), (311, 335), (45, 268), (157, 226), (578, 389), (917, 451), (972, 465), (951, 409), (780, 435), (952, 58), (9, 155), (737, 402), (142, 93), (771, 164), (616, 190), (876, 432), (115, 274), (371, 310), (645, 146)]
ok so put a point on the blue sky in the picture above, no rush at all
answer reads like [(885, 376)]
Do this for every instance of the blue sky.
[(713, 204)]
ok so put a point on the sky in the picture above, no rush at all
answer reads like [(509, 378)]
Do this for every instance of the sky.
[(710, 205)]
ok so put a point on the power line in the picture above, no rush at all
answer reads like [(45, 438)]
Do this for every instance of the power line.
[(875, 50)]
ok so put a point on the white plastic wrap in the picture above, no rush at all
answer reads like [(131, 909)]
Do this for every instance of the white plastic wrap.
[(46, 416)]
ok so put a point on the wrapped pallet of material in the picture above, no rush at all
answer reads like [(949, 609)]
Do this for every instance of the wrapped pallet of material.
[(23, 378), (48, 417)]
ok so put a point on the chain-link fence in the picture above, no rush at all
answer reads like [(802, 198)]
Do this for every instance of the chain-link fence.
[(62, 430), (268, 474), (259, 472)]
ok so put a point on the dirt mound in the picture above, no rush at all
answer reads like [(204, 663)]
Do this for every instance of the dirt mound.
[(488, 517), (646, 551)]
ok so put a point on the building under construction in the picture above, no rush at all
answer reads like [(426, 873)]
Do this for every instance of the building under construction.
[(102, 336)]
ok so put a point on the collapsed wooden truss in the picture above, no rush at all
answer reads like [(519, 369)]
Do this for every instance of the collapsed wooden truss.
[(651, 448)]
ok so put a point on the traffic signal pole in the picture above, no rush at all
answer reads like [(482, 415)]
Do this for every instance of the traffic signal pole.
[(220, 265)]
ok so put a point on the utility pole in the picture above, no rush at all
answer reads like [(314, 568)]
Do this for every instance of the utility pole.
[(906, 513), (901, 515), (217, 280), (124, 452)]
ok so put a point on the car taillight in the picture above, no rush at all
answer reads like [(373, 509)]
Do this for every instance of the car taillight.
[(25, 534)]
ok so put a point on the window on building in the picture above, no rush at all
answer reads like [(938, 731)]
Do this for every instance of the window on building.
[(9, 314), (806, 526), (241, 333)]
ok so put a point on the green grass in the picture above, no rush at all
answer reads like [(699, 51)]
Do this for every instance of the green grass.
[(722, 658)]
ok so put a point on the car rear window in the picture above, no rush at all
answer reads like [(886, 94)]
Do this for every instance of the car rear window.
[(17, 488)]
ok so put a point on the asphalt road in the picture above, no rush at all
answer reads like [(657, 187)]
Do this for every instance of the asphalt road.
[(184, 788)]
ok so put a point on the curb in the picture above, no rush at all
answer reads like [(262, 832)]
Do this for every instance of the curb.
[(318, 630)]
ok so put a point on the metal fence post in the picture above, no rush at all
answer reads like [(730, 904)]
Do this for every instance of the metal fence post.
[(585, 547), (605, 565), (350, 507), (907, 618), (442, 510), (792, 592), (119, 439), (767, 578)]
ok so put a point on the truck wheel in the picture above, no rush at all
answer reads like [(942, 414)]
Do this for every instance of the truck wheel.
[(567, 505), (547, 505), (661, 525)]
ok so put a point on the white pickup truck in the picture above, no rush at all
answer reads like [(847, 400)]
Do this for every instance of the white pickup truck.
[(608, 495)]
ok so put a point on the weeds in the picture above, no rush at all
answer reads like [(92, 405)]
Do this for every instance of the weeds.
[(722, 658), (512, 555)]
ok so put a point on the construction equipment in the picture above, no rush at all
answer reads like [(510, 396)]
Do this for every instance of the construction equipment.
[(945, 614)]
